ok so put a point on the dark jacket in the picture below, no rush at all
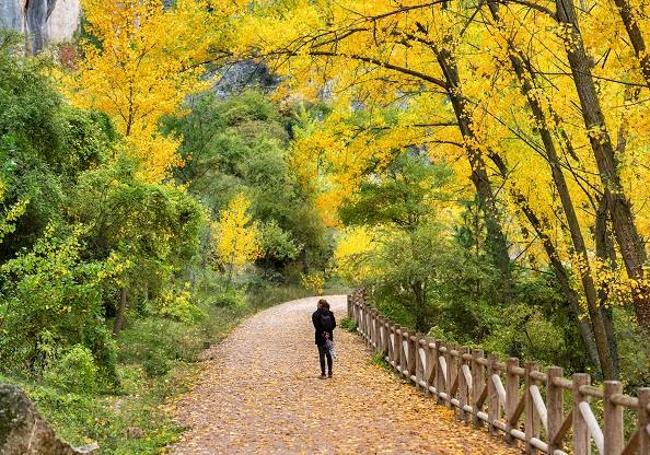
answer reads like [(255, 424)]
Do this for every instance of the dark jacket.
[(319, 332)]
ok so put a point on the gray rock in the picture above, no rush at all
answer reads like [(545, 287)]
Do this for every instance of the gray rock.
[(42, 21), (24, 432), (243, 75)]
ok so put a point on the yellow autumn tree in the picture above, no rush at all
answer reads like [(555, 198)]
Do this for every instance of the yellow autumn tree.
[(540, 108), (353, 248), (237, 236), (139, 63)]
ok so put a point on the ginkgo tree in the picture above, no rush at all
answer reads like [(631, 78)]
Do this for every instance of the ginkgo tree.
[(530, 103), (139, 61), (237, 236)]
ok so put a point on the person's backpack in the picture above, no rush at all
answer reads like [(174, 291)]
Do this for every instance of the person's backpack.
[(327, 322)]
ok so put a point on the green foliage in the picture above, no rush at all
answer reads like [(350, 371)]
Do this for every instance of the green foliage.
[(349, 325), (634, 349), (75, 371), (277, 245), (79, 229), (44, 145), (402, 196), (230, 298), (65, 296), (441, 279), (379, 360), (240, 145)]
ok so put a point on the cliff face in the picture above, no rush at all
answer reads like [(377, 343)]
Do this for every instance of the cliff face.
[(42, 21)]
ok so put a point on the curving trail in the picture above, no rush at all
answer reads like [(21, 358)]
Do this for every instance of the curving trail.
[(261, 393)]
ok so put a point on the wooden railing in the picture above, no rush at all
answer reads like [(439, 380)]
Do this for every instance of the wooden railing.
[(544, 410)]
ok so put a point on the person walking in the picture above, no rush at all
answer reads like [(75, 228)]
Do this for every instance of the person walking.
[(324, 324)]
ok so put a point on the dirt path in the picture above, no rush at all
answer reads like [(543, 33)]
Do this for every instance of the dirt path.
[(261, 394)]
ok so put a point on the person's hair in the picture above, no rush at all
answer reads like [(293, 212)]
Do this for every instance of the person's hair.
[(324, 304)]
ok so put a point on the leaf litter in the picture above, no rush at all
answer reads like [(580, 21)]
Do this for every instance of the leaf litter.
[(260, 392)]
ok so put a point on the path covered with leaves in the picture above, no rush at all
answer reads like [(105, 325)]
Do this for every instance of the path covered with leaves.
[(260, 393)]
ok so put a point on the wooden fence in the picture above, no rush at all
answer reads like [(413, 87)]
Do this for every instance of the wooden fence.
[(546, 411)]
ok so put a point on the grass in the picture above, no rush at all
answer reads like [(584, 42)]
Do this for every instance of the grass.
[(157, 363)]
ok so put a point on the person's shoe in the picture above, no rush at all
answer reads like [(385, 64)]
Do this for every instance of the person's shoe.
[(329, 375), (322, 376)]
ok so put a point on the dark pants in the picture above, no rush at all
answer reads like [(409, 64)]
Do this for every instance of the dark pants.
[(324, 353)]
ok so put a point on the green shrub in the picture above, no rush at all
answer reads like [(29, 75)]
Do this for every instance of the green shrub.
[(230, 298), (75, 372), (349, 325), (147, 340), (156, 364), (379, 360)]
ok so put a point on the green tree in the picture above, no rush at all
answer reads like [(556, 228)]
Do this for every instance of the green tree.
[(241, 144), (153, 230)]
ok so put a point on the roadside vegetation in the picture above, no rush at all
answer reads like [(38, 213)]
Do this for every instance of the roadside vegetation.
[(114, 282)]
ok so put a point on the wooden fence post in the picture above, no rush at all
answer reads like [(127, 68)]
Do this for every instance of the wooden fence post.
[(581, 438), (463, 385), (373, 330), (380, 341), (478, 378), (385, 337), (531, 428), (435, 353), (420, 366), (357, 316), (554, 404), (441, 374), (431, 365), (452, 366), (643, 423), (512, 396), (350, 315), (613, 420), (449, 362), (413, 354), (493, 397), (400, 347), (397, 348)]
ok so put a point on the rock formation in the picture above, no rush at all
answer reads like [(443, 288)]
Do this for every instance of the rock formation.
[(24, 432), (42, 21)]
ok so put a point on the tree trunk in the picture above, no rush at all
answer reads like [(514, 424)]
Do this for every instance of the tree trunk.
[(636, 37), (593, 347), (625, 231), (519, 62), (605, 252), (496, 240), (420, 307), (120, 315), (562, 277)]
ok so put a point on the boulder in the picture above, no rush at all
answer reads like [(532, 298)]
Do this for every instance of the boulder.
[(24, 432)]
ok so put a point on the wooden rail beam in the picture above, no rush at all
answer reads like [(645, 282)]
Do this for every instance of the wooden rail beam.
[(470, 382)]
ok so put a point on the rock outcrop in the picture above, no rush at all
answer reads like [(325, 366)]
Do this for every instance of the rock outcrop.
[(42, 21), (24, 432), (242, 75)]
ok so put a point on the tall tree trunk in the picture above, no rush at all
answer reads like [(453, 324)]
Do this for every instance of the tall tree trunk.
[(120, 315), (562, 276), (625, 230), (636, 37), (496, 240), (605, 252), (420, 307), (596, 347), (519, 63)]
